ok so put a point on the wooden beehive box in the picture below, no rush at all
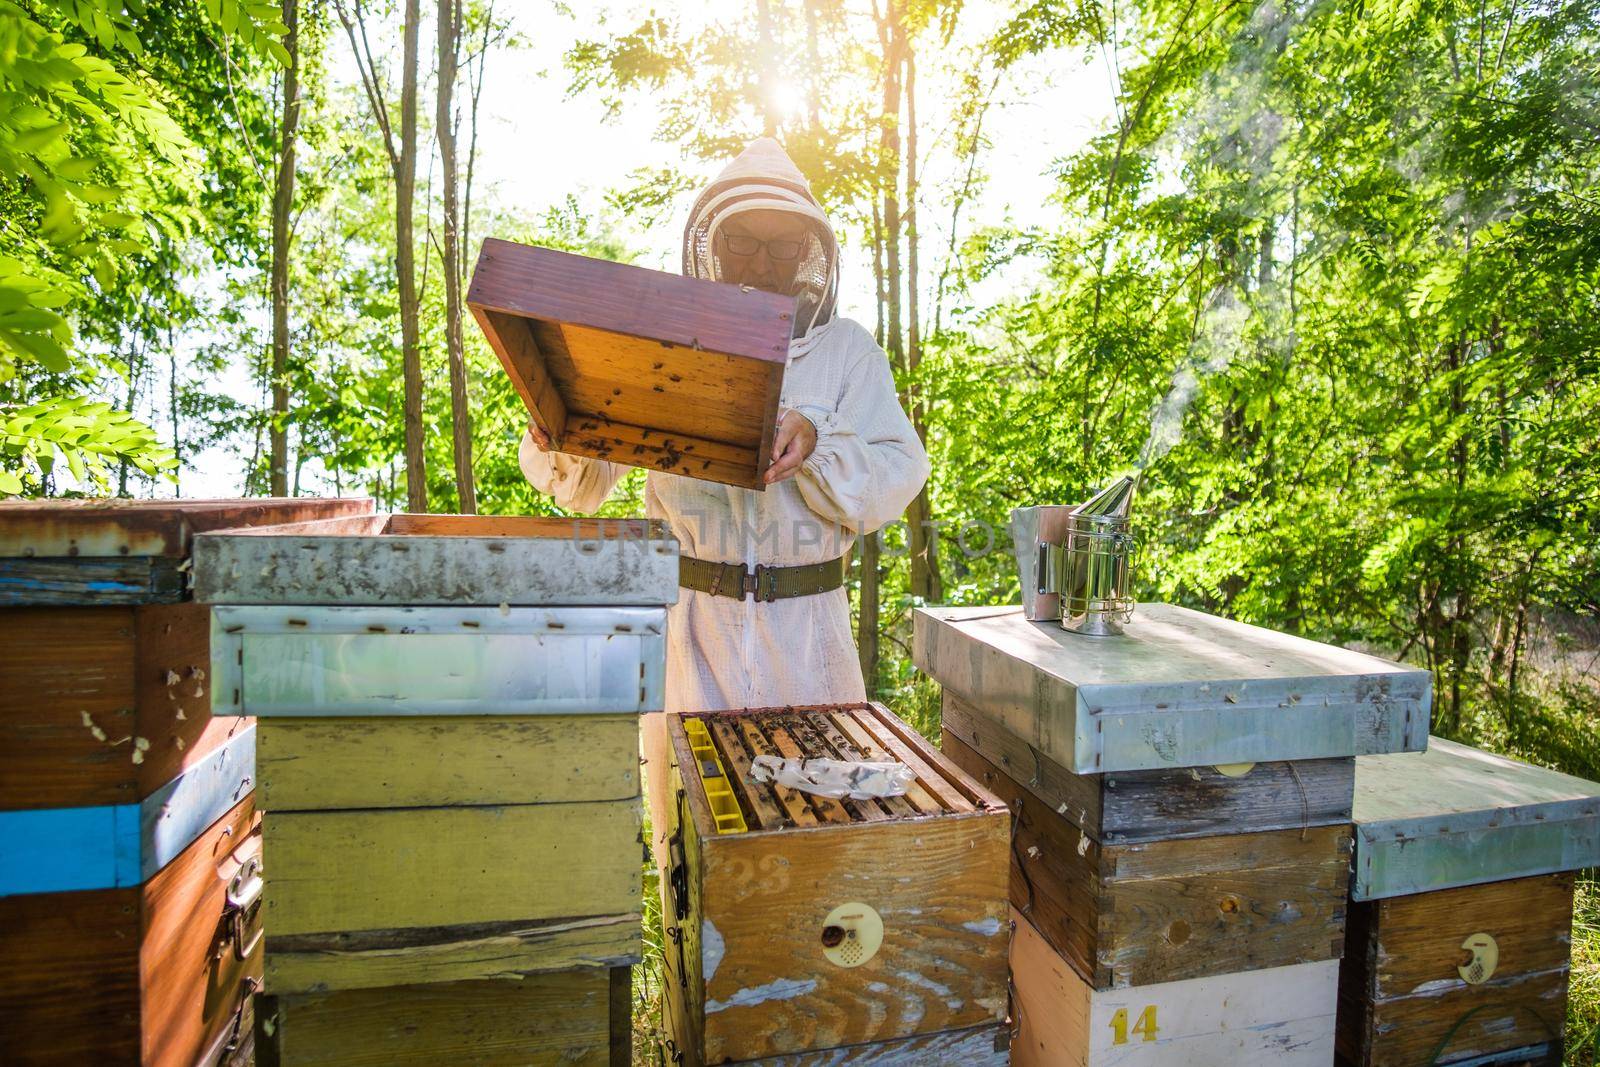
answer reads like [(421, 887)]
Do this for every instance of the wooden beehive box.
[(1461, 914), (451, 792), (802, 925), (125, 809), (581, 1018), (1179, 688), (637, 366), (1276, 1017), (1165, 909)]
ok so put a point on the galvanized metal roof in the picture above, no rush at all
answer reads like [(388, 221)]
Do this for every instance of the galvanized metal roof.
[(1180, 688), (1455, 815)]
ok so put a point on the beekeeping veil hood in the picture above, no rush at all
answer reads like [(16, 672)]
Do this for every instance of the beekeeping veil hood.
[(765, 178)]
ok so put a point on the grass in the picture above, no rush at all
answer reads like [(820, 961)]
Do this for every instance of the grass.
[(1583, 997)]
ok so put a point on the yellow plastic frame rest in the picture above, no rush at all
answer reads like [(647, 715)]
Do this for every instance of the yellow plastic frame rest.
[(724, 805)]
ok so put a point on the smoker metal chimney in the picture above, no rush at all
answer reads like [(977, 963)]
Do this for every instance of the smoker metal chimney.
[(1075, 561)]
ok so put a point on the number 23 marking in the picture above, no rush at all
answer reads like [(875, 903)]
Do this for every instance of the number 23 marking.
[(1145, 1026)]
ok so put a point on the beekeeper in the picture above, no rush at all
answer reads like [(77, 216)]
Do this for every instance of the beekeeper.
[(846, 461)]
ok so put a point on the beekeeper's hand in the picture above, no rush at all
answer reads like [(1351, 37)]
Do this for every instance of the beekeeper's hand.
[(541, 440), (794, 441)]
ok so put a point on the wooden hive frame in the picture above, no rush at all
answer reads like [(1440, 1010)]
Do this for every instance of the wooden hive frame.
[(637, 366), (751, 903)]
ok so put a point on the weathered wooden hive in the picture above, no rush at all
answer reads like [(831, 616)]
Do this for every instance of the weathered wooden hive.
[(804, 929), (129, 854), (1459, 941), (638, 366), (1182, 796), (448, 763)]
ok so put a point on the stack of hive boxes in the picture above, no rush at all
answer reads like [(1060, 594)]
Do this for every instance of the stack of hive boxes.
[(449, 769), (809, 930), (1182, 796), (128, 851), (1459, 941)]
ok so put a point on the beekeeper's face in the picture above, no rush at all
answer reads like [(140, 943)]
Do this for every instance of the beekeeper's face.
[(761, 249)]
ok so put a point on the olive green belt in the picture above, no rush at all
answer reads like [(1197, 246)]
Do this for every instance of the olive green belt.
[(766, 583)]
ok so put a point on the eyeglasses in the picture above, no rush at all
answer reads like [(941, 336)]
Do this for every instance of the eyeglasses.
[(741, 244)]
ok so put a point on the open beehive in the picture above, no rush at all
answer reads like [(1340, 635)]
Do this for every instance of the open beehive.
[(637, 366), (802, 923)]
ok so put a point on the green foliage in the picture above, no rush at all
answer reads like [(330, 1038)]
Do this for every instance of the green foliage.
[(98, 180)]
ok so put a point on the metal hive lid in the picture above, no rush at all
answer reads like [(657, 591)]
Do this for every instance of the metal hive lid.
[(1179, 689), (1456, 815)]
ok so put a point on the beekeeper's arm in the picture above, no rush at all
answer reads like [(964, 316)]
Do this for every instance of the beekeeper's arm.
[(577, 483), (868, 463)]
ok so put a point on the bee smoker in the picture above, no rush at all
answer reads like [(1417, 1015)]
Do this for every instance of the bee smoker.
[(1076, 560)]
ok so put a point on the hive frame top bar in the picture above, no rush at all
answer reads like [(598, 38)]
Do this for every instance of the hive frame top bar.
[(441, 560), (75, 528), (1179, 688), (1455, 815)]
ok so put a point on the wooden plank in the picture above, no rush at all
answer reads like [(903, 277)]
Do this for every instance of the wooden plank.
[(519, 353), (559, 1018), (69, 988), (67, 707), (1169, 910), (681, 454), (373, 959), (327, 764), (88, 580), (545, 284), (758, 803), (968, 788), (1180, 688), (847, 750), (918, 797), (1196, 906), (192, 979), (1076, 796), (949, 796), (576, 528), (173, 692), (112, 528), (1055, 867), (566, 331), (827, 809), (1403, 996), (337, 871), (793, 803), (939, 886), (1276, 1016), (978, 1046)]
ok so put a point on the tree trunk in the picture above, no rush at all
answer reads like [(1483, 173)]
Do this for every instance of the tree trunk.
[(282, 205), (405, 264), (460, 416), (923, 542), (764, 64)]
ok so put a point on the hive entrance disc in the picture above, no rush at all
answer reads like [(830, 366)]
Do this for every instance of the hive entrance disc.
[(851, 934)]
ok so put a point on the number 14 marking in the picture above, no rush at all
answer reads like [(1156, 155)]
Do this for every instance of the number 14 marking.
[(1145, 1026)]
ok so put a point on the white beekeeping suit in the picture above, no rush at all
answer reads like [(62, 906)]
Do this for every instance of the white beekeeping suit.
[(867, 466)]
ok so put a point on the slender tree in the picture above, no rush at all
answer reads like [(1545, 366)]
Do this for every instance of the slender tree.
[(282, 205), (402, 153), (445, 119)]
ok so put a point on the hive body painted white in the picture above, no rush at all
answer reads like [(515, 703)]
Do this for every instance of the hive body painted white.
[(1277, 1017)]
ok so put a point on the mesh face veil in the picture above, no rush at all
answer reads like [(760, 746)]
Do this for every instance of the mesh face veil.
[(764, 178)]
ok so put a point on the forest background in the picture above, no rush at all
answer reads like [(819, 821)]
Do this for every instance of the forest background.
[(1328, 272)]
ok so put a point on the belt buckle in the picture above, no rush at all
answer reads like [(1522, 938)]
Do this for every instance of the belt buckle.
[(766, 577), (740, 584)]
